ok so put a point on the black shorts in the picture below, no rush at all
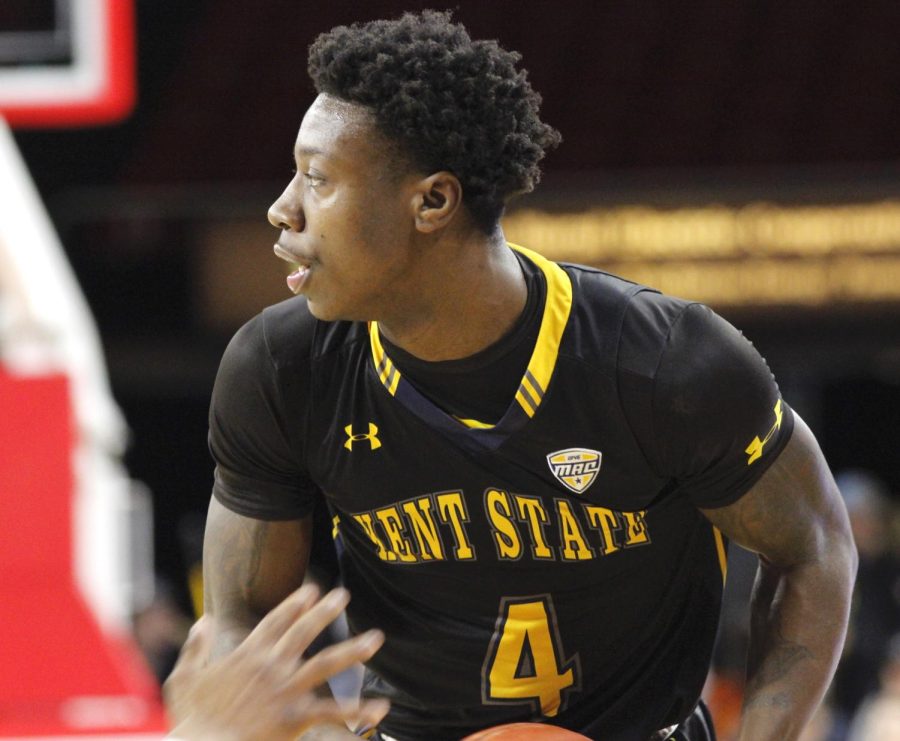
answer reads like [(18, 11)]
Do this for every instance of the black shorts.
[(697, 727)]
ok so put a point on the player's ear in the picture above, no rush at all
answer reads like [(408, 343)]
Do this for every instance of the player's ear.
[(436, 200)]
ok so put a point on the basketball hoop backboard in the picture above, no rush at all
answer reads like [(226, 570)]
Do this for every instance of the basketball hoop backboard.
[(66, 62)]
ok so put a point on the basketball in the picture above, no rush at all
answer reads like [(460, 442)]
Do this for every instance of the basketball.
[(525, 732)]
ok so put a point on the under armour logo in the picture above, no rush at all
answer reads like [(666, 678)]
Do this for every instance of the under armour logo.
[(371, 436), (755, 448)]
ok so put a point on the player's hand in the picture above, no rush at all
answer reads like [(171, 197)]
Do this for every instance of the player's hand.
[(263, 689)]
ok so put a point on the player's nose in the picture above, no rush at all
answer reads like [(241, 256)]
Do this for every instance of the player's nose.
[(287, 211)]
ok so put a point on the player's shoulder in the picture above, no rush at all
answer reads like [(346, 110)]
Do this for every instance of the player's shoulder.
[(647, 321), (591, 283), (689, 339), (651, 316), (598, 289), (629, 315), (291, 333)]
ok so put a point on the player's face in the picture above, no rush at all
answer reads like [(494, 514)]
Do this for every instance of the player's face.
[(345, 219)]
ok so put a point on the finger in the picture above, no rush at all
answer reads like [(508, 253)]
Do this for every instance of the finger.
[(274, 625), (305, 628), (335, 659), (196, 647), (369, 714), (189, 664)]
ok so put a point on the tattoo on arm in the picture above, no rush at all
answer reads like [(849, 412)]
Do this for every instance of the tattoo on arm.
[(781, 657), (249, 566), (794, 519), (243, 555), (233, 561)]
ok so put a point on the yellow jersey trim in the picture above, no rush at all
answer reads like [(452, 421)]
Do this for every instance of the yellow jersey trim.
[(720, 551), (387, 371), (534, 384), (473, 424), (557, 306)]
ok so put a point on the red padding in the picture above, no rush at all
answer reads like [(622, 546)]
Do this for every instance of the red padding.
[(36, 482), (58, 672)]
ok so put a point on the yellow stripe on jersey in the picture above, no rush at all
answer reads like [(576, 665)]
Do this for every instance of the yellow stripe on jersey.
[(720, 551), (529, 394), (540, 368), (387, 371), (473, 424), (546, 350)]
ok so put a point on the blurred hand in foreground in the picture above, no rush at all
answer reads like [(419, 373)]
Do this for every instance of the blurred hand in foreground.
[(264, 688)]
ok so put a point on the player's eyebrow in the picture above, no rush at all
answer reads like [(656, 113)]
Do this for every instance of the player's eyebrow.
[(308, 152)]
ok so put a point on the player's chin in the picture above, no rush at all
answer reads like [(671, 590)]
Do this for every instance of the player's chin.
[(321, 310), (325, 308)]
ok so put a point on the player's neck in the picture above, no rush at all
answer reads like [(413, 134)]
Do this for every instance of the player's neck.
[(471, 295)]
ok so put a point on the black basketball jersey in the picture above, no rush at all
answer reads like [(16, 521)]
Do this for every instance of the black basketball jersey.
[(553, 565)]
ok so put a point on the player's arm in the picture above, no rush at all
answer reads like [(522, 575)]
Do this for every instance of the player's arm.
[(252, 561), (257, 539), (718, 427), (249, 567), (795, 519)]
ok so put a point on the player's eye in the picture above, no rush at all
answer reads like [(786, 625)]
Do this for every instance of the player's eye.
[(313, 180)]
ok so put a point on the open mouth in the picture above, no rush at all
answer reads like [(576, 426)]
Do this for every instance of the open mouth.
[(297, 278)]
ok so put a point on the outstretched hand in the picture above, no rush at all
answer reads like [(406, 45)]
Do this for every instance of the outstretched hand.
[(264, 689)]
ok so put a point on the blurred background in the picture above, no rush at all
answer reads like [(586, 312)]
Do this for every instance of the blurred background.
[(745, 154)]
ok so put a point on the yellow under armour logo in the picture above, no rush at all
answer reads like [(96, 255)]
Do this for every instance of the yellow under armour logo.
[(755, 448), (371, 436)]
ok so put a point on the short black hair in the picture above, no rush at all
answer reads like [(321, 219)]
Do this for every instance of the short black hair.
[(451, 103)]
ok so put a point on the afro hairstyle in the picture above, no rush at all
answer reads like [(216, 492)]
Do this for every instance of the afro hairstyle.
[(449, 102)]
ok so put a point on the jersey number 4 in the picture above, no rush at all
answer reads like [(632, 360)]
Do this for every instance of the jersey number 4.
[(525, 663)]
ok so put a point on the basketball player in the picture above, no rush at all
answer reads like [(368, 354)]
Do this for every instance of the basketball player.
[(532, 469)]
